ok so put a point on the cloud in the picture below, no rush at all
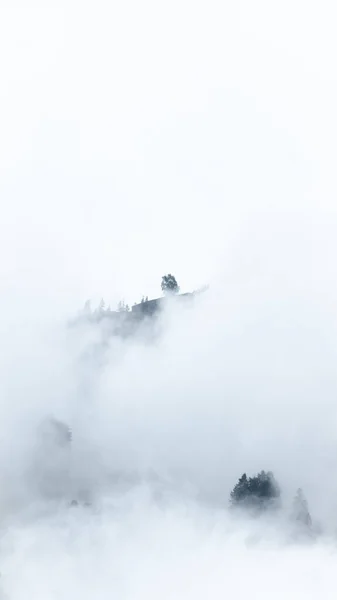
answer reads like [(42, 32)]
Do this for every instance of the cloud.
[(139, 139)]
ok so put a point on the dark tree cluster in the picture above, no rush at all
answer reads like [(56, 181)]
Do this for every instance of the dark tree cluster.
[(262, 492), (257, 491), (169, 285)]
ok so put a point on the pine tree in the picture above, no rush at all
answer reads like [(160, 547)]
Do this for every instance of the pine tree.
[(300, 510), (258, 491)]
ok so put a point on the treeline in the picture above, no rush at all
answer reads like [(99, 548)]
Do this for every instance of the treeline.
[(169, 286), (255, 495), (262, 493)]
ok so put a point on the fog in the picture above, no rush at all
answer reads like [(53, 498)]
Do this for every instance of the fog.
[(139, 139)]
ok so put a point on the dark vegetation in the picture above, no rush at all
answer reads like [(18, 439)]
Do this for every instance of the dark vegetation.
[(169, 284), (125, 321), (145, 307), (262, 493), (258, 491)]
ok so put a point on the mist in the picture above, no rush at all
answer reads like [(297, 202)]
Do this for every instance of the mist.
[(138, 140)]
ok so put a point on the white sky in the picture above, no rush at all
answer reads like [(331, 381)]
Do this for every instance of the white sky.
[(139, 138)]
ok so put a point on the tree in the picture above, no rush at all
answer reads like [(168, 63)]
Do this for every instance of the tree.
[(169, 284), (240, 490), (87, 308), (300, 510), (122, 307), (256, 492), (101, 306)]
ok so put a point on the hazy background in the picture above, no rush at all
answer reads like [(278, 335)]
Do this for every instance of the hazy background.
[(136, 139)]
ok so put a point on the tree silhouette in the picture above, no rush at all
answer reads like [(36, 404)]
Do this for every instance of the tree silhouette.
[(300, 510), (122, 307), (169, 284), (257, 492)]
